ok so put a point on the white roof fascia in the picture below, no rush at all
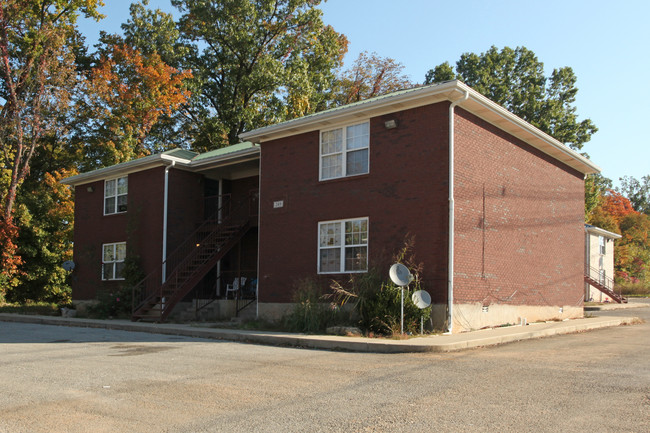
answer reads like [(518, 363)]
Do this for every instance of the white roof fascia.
[(125, 168), (364, 109), (477, 104), (602, 232), (556, 145)]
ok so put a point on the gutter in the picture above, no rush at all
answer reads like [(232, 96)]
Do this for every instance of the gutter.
[(450, 264), (602, 232), (124, 169)]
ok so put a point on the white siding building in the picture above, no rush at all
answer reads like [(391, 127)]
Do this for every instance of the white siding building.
[(599, 256)]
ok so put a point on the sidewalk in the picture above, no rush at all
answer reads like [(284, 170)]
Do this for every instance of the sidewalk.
[(632, 303), (434, 343)]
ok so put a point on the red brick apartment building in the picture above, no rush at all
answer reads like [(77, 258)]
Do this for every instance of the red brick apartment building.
[(498, 226)]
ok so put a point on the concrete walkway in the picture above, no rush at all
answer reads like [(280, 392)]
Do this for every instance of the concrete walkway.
[(433, 343)]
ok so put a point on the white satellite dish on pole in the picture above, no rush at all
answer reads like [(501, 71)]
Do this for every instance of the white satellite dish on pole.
[(401, 276), (421, 299), (68, 265)]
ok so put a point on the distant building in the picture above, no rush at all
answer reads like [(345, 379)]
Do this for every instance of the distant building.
[(599, 262)]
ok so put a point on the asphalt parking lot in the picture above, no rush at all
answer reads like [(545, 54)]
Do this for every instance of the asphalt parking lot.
[(61, 379)]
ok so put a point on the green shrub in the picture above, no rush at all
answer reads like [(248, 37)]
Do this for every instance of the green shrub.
[(310, 313), (378, 302), (383, 311), (638, 289), (118, 303), (112, 304)]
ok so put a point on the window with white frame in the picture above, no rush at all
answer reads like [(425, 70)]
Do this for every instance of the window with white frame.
[(115, 195), (113, 256), (343, 246), (601, 245), (344, 151)]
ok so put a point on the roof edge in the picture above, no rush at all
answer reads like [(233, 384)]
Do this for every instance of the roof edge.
[(422, 96), (593, 229), (149, 161), (158, 160), (488, 103)]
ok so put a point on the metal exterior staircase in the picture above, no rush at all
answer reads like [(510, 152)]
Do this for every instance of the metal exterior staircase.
[(605, 285), (154, 299)]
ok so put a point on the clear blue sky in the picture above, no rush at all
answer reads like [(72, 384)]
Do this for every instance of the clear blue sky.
[(606, 43)]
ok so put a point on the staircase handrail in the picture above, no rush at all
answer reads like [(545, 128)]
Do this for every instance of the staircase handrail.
[(607, 282), (183, 252)]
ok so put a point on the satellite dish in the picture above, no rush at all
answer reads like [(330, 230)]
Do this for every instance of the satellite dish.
[(421, 298), (400, 275), (68, 265)]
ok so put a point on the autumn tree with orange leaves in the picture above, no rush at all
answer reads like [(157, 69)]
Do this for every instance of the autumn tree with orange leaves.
[(615, 212), (124, 96), (370, 76)]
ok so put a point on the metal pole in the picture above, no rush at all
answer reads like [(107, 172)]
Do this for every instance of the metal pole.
[(402, 317)]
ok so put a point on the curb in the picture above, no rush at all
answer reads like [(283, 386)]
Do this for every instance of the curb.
[(437, 343)]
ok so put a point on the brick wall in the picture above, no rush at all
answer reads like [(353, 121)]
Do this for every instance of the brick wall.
[(185, 206), (140, 227), (404, 192), (519, 221)]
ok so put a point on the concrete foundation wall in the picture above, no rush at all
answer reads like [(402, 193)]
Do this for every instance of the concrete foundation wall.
[(468, 317)]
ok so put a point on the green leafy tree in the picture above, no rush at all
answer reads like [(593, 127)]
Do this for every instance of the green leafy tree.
[(638, 191), (38, 42), (37, 68), (44, 215), (370, 76), (256, 62), (155, 32), (596, 185), (514, 78)]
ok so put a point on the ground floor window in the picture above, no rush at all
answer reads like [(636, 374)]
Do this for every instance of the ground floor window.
[(343, 246), (113, 261)]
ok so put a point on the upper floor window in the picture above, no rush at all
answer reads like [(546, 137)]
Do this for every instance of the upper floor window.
[(601, 245), (113, 256), (115, 195), (343, 246), (344, 151)]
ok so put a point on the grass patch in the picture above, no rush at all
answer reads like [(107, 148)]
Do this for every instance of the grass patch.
[(35, 308), (635, 290)]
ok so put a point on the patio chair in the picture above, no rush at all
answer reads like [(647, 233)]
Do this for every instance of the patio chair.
[(237, 284)]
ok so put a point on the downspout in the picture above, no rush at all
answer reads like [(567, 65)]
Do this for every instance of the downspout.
[(165, 206), (450, 267), (259, 225), (219, 217)]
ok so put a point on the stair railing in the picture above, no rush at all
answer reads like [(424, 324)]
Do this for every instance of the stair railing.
[(152, 285), (605, 281)]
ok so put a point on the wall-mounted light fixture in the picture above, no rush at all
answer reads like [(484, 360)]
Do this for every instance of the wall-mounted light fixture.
[(90, 189), (390, 124)]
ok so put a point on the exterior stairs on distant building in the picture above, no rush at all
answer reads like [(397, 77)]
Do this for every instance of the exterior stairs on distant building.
[(605, 285)]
